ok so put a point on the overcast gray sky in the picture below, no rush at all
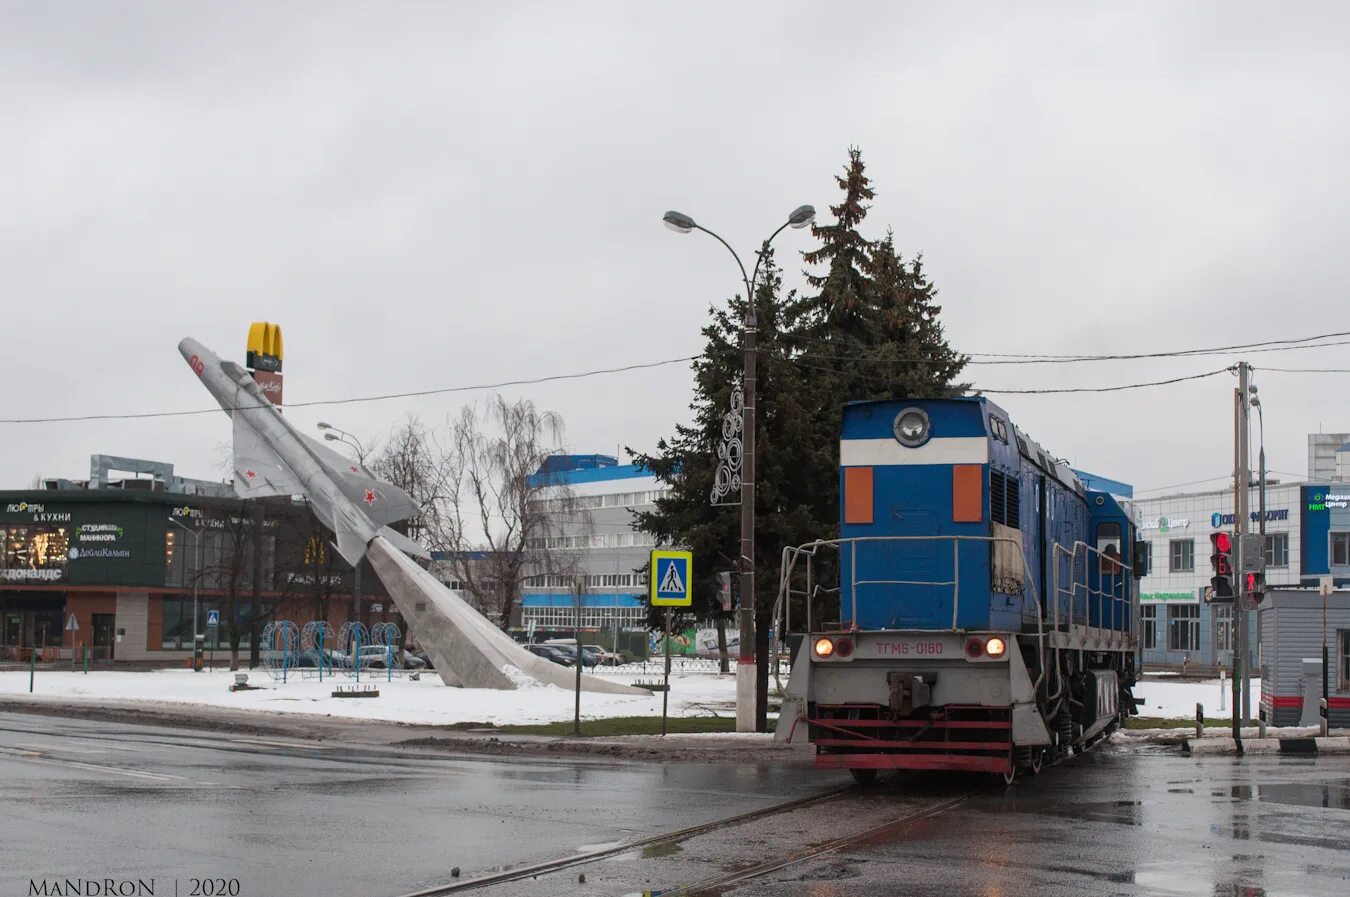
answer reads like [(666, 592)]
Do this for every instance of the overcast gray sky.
[(430, 195)]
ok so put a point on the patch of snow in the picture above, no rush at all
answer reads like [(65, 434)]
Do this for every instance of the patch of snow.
[(520, 678)]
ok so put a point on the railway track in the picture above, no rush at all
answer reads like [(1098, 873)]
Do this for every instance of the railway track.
[(534, 870), (719, 884)]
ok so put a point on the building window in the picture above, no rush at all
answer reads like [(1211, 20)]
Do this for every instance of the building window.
[(1340, 549), (1148, 613), (177, 624), (1182, 556), (1148, 558), (1277, 549), (1223, 627), (33, 554), (1183, 627), (1345, 658)]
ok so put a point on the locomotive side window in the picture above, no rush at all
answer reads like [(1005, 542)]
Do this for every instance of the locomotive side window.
[(1108, 543)]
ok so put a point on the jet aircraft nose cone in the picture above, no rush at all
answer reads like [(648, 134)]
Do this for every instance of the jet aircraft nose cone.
[(196, 355)]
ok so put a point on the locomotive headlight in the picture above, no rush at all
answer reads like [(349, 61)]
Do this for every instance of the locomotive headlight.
[(995, 647), (824, 647), (912, 427)]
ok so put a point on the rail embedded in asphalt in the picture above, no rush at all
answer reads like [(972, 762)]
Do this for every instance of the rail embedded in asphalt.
[(591, 856)]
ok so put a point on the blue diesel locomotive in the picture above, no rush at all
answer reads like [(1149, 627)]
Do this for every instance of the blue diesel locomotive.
[(987, 604)]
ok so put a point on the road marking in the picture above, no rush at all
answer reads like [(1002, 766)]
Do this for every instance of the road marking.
[(99, 767), (61, 747), (286, 744)]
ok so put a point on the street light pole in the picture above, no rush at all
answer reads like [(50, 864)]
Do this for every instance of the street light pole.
[(196, 579), (334, 434), (751, 682)]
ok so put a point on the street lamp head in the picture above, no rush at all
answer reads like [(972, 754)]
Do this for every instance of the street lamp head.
[(332, 437), (678, 222), (802, 216), (325, 426)]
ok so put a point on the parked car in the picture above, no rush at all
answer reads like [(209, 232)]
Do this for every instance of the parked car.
[(588, 657), (374, 657), (607, 658), (554, 653)]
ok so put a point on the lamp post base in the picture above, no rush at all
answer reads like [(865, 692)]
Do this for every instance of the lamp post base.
[(745, 697)]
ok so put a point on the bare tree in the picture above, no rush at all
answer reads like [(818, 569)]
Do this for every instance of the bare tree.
[(413, 460), (484, 502)]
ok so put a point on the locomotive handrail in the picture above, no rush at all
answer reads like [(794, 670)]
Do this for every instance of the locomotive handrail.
[(783, 604)]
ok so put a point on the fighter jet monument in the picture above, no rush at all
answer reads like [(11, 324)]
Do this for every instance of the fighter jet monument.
[(272, 458)]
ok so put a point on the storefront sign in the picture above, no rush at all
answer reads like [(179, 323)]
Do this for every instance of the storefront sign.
[(98, 532), (1322, 501), (1217, 520), (88, 553), (1166, 596), (38, 513), (1163, 525), (27, 574)]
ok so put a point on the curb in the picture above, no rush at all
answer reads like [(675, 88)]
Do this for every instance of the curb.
[(1293, 745)]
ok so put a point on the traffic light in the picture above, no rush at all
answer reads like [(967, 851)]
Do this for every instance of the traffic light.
[(1221, 561), (1254, 586), (724, 590)]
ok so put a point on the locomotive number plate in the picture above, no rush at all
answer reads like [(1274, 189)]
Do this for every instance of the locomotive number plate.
[(917, 648)]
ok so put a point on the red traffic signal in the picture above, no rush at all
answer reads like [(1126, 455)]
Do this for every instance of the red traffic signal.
[(1221, 560)]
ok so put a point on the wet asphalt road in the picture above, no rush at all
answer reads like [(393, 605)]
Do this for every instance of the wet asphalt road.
[(1106, 823), (96, 800), (105, 799)]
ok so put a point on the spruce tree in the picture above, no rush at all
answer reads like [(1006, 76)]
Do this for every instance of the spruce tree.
[(870, 329)]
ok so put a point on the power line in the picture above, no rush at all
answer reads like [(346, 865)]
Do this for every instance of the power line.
[(1125, 386), (1306, 370), (1000, 358), (1227, 476), (357, 399)]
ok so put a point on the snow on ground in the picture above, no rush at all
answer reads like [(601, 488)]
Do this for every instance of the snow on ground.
[(427, 701), (1176, 700), (695, 690)]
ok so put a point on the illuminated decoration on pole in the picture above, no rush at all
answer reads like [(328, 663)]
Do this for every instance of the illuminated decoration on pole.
[(263, 358), (726, 488)]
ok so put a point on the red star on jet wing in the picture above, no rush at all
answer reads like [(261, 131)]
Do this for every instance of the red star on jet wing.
[(250, 474), (370, 496)]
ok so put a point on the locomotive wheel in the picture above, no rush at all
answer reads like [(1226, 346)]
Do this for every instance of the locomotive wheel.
[(864, 777), (1037, 759), (1009, 776)]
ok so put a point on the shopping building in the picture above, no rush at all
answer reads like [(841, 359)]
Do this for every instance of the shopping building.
[(114, 565), (607, 556), (1307, 527)]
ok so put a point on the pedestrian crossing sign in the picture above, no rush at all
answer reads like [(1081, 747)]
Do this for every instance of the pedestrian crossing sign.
[(670, 573)]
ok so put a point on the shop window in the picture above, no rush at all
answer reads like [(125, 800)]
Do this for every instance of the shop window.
[(1148, 615), (1182, 558), (1340, 549), (1183, 627), (33, 554), (1277, 550), (177, 624), (1223, 627)]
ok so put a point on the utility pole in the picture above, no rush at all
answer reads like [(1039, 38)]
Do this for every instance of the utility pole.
[(746, 690), (1242, 478)]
